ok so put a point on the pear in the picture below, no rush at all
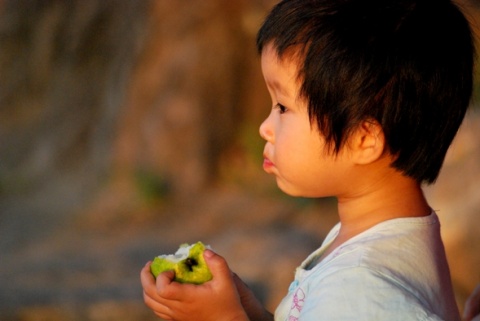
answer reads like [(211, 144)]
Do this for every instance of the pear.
[(187, 263)]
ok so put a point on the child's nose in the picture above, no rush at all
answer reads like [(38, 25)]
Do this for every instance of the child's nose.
[(265, 130)]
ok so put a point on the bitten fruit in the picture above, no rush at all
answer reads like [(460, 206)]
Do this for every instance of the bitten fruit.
[(187, 263)]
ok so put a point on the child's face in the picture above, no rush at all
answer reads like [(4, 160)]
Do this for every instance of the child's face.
[(295, 150)]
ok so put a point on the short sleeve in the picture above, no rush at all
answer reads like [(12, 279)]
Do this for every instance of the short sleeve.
[(357, 293)]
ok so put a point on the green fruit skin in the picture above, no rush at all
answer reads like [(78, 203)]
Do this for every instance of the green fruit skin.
[(160, 265), (185, 273)]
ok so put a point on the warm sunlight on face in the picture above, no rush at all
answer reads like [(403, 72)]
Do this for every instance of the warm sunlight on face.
[(294, 150)]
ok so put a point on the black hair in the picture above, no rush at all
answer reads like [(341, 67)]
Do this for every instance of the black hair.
[(406, 64)]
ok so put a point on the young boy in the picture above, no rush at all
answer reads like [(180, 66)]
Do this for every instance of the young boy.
[(367, 97)]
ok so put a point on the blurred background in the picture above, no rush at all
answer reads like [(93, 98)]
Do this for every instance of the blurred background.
[(128, 127)]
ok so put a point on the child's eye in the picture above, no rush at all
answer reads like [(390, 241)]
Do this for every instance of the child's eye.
[(282, 109)]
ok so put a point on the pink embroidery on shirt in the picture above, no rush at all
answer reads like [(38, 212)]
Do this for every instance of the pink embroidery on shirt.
[(297, 305)]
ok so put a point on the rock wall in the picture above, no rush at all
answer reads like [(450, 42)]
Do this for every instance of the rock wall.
[(128, 127)]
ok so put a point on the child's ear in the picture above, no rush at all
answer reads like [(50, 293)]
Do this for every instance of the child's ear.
[(368, 142)]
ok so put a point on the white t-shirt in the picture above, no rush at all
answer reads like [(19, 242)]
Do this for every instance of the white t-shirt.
[(396, 270)]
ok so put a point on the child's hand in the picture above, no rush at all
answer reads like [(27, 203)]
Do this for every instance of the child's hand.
[(253, 307), (472, 306), (215, 300)]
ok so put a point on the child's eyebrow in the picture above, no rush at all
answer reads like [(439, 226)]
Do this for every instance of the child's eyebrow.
[(275, 84)]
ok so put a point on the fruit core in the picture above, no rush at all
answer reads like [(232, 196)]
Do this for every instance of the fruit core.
[(190, 263)]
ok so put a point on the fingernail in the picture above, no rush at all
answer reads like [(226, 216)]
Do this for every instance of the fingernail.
[(208, 253)]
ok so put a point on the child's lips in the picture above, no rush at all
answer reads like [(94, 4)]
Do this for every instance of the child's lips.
[(267, 163)]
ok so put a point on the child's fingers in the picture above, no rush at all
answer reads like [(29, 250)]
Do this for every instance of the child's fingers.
[(149, 284), (160, 289), (167, 288), (146, 278), (472, 306), (163, 316), (217, 264), (156, 306), (149, 287)]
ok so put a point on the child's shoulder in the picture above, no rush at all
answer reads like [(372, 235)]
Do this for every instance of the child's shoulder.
[(399, 259), (395, 244)]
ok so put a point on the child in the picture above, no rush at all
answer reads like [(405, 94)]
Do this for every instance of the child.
[(367, 97), (472, 306)]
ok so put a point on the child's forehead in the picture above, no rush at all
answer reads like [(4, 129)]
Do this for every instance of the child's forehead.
[(288, 59), (290, 54), (280, 72), (272, 60)]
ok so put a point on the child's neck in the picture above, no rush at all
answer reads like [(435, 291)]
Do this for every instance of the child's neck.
[(394, 196)]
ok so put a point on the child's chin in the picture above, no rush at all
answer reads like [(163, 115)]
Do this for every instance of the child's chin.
[(288, 189)]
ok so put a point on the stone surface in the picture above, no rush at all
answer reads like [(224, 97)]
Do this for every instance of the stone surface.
[(127, 128)]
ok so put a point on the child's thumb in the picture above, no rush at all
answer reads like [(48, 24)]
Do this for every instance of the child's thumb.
[(217, 264)]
